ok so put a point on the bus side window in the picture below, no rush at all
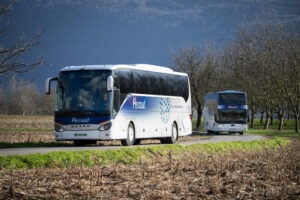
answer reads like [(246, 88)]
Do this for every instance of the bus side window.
[(184, 90), (116, 103), (154, 83), (173, 85), (141, 82), (178, 86), (126, 83), (164, 85)]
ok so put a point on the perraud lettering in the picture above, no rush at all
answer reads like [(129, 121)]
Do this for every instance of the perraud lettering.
[(85, 120), (232, 107), (138, 104)]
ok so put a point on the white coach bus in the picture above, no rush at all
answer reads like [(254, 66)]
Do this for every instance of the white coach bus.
[(225, 111), (121, 102)]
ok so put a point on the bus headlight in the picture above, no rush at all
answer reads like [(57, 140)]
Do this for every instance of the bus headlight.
[(105, 126), (220, 125), (59, 127)]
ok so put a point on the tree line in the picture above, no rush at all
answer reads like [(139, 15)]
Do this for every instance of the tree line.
[(263, 60), (24, 98)]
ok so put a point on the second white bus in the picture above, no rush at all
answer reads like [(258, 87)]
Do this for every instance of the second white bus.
[(225, 111)]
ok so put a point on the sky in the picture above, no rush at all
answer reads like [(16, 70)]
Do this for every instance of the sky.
[(85, 32)]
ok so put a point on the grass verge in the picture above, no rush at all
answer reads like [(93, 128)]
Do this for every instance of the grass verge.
[(274, 133), (130, 155)]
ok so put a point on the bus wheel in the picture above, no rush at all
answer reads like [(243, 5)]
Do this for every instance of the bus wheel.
[(241, 133), (173, 138), (130, 136)]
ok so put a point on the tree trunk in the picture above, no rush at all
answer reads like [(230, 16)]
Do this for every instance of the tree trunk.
[(262, 117), (266, 126), (271, 119), (248, 118), (297, 123), (199, 116), (280, 117), (268, 115), (252, 118)]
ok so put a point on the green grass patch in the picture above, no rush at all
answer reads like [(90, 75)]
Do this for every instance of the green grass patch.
[(287, 124), (274, 133), (130, 155)]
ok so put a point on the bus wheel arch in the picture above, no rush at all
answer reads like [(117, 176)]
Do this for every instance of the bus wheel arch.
[(175, 125), (174, 134), (130, 135)]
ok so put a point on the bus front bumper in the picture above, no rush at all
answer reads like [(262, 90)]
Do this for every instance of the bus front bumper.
[(83, 135), (236, 128)]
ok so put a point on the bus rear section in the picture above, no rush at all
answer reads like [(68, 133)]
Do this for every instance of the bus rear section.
[(225, 111)]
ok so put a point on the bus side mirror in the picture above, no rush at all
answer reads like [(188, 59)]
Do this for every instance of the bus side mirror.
[(48, 84), (110, 83)]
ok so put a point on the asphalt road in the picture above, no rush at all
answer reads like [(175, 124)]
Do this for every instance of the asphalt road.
[(210, 139)]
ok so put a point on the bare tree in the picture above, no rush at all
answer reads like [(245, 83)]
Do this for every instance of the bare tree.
[(200, 66), (289, 78), (11, 56), (241, 60), (265, 63)]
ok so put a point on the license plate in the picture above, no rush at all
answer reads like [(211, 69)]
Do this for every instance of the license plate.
[(80, 134)]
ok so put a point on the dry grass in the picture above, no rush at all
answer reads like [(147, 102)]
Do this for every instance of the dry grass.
[(268, 174), (32, 122), (22, 129)]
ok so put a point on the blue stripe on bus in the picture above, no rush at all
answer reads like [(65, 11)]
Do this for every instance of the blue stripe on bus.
[(81, 120), (229, 107)]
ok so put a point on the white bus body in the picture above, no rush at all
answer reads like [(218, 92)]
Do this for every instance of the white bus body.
[(225, 111), (121, 102)]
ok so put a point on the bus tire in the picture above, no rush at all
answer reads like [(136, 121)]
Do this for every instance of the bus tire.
[(241, 133), (174, 135), (130, 140)]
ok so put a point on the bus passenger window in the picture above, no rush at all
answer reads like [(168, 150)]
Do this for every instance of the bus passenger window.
[(164, 85), (154, 83), (126, 81), (141, 82)]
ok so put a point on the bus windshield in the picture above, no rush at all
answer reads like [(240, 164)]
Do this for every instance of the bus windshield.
[(83, 93), (232, 99), (232, 116)]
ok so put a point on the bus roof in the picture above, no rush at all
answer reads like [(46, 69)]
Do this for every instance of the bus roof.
[(215, 94), (145, 67), (226, 92), (230, 91)]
